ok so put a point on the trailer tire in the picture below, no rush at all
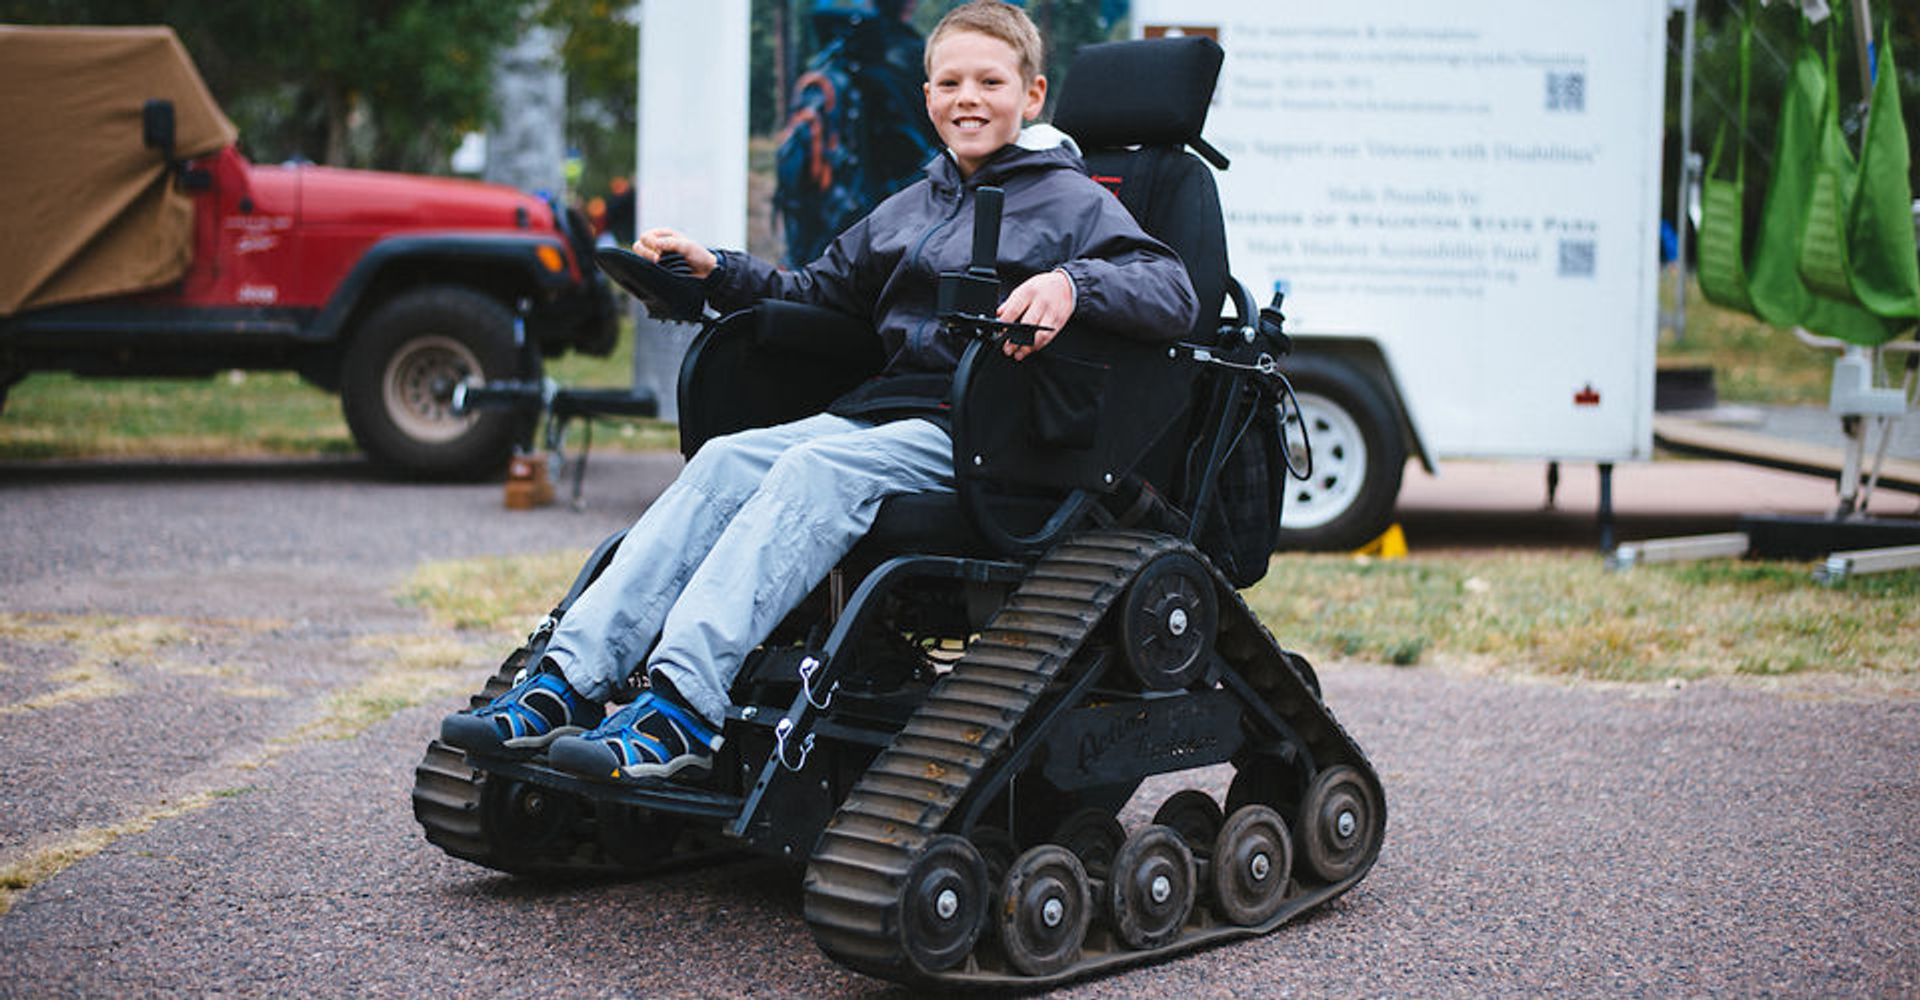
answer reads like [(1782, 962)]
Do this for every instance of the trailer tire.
[(1358, 457), (398, 378)]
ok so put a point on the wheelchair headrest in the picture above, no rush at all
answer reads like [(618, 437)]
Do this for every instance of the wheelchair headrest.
[(1151, 92)]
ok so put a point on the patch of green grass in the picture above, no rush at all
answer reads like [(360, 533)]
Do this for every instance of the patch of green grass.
[(504, 595), (244, 414), (57, 415), (1545, 613), (1564, 614), (1751, 361)]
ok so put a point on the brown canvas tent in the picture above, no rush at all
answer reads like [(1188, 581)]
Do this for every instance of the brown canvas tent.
[(86, 209)]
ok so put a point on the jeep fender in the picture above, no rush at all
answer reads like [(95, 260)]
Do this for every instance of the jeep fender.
[(506, 266)]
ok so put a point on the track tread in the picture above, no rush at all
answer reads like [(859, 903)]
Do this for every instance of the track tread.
[(854, 880)]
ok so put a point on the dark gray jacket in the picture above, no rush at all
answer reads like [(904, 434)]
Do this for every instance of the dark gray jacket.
[(886, 267)]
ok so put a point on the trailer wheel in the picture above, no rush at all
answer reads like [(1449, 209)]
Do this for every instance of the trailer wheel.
[(397, 389), (1358, 456)]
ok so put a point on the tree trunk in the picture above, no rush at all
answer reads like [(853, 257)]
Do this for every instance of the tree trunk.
[(337, 108)]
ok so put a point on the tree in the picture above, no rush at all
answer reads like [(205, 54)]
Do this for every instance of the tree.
[(602, 54), (374, 83)]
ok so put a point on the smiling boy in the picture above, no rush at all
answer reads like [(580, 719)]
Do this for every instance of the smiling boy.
[(758, 518)]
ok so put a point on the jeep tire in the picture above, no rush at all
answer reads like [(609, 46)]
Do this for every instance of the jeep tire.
[(1358, 457), (398, 379)]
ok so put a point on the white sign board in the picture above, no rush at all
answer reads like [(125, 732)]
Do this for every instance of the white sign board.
[(1474, 185)]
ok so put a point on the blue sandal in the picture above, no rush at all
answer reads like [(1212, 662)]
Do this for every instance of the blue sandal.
[(650, 739), (539, 709)]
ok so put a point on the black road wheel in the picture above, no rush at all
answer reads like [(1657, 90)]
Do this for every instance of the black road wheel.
[(1268, 780), (1167, 621), (399, 376), (998, 848), (1251, 859), (1340, 824), (1043, 910), (1150, 891), (1193, 815), (943, 903), (526, 821), (632, 836), (1358, 457), (1094, 836)]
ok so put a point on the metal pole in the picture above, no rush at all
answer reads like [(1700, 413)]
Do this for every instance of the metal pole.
[(1683, 179), (1606, 506), (1863, 32)]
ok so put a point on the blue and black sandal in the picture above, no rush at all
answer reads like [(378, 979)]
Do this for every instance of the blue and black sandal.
[(652, 738), (540, 708)]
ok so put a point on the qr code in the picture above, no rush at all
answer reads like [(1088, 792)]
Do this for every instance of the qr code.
[(1566, 91), (1576, 258)]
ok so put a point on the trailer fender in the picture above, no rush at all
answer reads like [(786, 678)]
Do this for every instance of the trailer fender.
[(1369, 357)]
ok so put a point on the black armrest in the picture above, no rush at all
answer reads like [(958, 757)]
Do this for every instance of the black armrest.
[(1075, 421), (817, 333), (767, 365)]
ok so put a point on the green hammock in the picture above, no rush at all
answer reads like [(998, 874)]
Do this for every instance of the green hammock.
[(1779, 293), (1723, 205), (1885, 272), (1836, 176)]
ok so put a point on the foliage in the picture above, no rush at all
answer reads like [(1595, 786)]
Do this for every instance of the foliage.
[(298, 75), (602, 58)]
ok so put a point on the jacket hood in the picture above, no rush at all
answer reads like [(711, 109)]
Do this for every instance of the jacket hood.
[(1039, 147)]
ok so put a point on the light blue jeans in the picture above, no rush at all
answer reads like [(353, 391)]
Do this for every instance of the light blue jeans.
[(751, 526)]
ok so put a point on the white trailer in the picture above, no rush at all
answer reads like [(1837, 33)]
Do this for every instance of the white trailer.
[(1460, 201)]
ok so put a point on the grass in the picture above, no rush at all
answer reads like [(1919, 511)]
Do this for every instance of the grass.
[(1556, 614), (239, 415), (96, 645), (415, 670), (50, 859), (503, 596), (1566, 615), (1751, 361)]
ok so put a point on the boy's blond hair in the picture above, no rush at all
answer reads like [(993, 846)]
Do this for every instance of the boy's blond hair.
[(994, 19)]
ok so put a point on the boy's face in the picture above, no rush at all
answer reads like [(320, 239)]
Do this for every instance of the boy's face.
[(976, 97)]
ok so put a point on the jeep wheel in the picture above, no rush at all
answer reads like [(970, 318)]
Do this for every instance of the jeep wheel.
[(1358, 456), (399, 376)]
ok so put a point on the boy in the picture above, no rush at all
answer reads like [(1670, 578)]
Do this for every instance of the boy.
[(758, 518)]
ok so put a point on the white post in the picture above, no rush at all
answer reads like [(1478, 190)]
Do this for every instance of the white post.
[(691, 169)]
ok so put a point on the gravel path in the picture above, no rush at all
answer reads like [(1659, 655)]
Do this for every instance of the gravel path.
[(1707, 840)]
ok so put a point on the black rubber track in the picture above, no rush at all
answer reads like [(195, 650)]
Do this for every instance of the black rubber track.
[(450, 803), (854, 880)]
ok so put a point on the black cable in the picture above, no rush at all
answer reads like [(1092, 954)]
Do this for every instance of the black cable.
[(1306, 442)]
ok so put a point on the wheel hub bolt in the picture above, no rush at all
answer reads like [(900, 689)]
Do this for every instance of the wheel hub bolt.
[(947, 904), (1052, 912), (1162, 888), (1177, 621), (1345, 823), (1260, 866)]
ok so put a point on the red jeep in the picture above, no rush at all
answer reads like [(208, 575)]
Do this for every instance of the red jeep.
[(135, 239)]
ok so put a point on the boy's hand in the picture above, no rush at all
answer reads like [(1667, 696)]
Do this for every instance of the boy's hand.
[(655, 242), (1043, 300)]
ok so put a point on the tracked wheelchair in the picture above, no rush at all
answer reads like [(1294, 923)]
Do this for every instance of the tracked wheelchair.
[(946, 731)]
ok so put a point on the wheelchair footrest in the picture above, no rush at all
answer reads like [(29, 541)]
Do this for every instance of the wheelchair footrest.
[(659, 796)]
